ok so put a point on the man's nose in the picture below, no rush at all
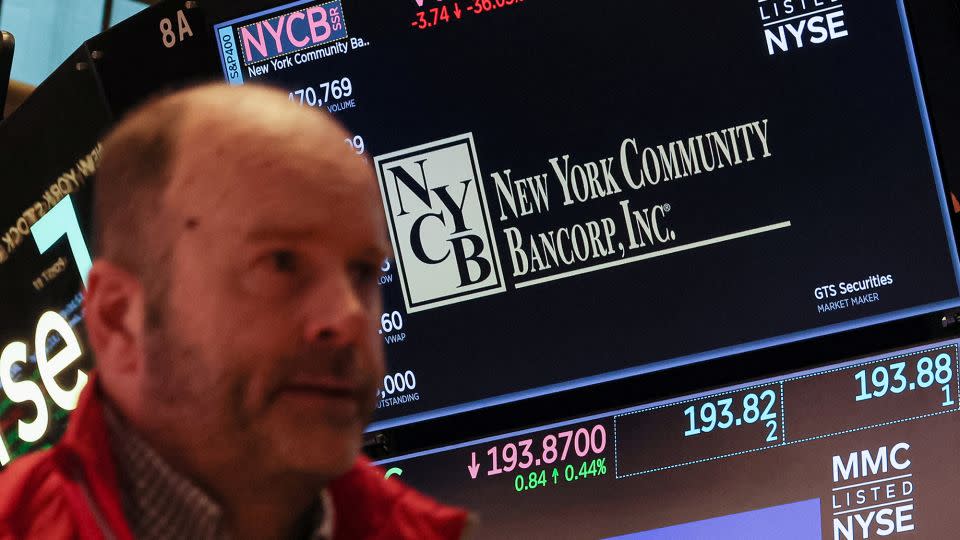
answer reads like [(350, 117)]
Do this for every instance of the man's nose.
[(336, 313)]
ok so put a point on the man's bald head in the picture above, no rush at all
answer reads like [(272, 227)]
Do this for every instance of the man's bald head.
[(163, 140)]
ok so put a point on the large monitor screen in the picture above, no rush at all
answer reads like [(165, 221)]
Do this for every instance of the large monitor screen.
[(582, 193), (860, 449)]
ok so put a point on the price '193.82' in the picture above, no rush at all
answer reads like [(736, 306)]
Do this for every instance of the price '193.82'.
[(726, 413)]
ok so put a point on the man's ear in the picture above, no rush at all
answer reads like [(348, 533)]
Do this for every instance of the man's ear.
[(114, 308)]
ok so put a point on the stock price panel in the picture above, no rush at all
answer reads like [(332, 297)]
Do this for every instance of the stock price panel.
[(570, 191), (863, 449)]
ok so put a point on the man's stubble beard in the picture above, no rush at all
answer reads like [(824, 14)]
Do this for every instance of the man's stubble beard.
[(177, 379), (183, 388)]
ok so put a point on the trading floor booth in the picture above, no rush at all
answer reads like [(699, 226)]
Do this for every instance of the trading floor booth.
[(660, 269)]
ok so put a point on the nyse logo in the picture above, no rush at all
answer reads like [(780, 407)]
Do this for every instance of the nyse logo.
[(795, 24), (439, 223)]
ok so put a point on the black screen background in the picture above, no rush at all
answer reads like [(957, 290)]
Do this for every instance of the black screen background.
[(850, 170)]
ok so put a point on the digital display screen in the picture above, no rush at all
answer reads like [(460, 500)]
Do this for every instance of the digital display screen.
[(861, 449), (581, 195), (49, 153)]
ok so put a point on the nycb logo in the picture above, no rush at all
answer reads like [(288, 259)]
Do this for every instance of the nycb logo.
[(439, 223), (291, 32)]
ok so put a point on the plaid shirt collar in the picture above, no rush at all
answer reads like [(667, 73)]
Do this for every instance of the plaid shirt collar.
[(160, 503)]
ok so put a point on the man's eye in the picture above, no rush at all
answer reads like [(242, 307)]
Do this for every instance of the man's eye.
[(284, 261), (277, 274)]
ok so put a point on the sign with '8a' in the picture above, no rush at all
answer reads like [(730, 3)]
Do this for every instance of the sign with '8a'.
[(439, 223)]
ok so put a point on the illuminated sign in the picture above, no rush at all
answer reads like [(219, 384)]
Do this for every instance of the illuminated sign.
[(53, 332), (26, 390)]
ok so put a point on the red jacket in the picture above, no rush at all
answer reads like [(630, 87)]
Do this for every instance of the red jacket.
[(70, 491)]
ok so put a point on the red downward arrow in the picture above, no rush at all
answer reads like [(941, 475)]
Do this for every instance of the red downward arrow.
[(419, 3), (475, 468)]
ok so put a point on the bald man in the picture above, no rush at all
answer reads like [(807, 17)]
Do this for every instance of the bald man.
[(231, 312)]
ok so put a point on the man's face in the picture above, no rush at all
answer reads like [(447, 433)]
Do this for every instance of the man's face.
[(266, 338)]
